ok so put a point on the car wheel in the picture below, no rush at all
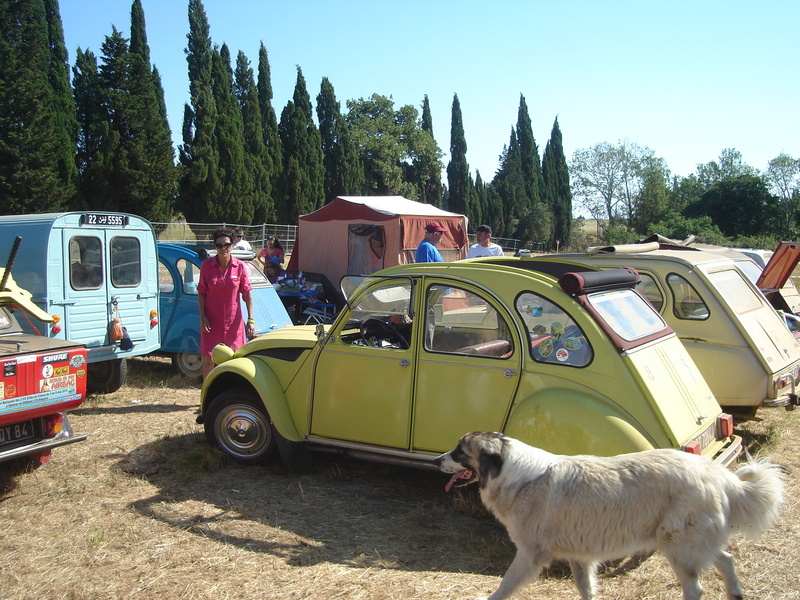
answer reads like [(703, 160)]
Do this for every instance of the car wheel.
[(188, 365), (106, 376), (238, 424)]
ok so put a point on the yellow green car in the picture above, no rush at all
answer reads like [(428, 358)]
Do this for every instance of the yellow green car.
[(575, 363)]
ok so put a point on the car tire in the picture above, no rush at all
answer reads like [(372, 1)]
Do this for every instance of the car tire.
[(106, 376), (238, 424), (188, 365)]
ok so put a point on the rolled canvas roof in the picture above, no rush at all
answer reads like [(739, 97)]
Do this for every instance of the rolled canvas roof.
[(322, 236)]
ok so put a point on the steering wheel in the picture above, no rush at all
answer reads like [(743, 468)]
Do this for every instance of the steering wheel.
[(382, 329)]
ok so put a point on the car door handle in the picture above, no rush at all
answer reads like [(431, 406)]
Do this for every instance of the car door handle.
[(509, 373), (403, 363)]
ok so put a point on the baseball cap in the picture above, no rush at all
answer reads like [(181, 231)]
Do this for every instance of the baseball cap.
[(434, 226), (484, 229)]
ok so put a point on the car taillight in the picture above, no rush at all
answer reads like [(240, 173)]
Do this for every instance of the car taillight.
[(52, 424), (725, 426), (693, 447)]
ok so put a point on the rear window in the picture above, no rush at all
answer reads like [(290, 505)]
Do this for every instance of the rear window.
[(732, 286), (628, 315), (554, 336)]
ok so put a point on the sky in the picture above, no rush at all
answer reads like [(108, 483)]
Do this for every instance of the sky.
[(686, 79)]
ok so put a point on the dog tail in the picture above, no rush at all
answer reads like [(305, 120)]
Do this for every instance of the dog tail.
[(758, 497)]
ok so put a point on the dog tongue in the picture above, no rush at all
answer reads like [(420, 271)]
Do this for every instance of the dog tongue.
[(465, 474)]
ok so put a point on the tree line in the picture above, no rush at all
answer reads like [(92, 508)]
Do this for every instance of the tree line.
[(94, 135)]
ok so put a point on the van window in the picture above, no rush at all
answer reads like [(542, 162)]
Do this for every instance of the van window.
[(554, 336), (686, 302), (649, 289), (458, 321), (733, 287), (126, 257), (85, 262)]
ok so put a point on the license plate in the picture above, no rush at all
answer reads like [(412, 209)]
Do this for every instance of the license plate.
[(15, 432)]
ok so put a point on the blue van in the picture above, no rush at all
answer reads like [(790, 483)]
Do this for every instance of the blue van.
[(178, 275), (88, 269)]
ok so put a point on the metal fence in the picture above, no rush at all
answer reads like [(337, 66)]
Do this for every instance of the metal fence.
[(201, 233)]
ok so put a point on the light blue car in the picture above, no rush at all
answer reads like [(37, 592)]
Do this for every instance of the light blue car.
[(178, 275)]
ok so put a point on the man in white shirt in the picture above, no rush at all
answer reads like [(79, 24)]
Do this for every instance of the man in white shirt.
[(239, 243), (484, 247)]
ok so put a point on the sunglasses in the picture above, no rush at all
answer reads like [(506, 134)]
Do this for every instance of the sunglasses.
[(218, 245)]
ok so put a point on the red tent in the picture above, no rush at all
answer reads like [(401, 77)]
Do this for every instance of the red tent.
[(359, 235)]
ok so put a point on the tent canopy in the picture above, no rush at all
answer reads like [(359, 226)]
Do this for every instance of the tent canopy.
[(358, 235)]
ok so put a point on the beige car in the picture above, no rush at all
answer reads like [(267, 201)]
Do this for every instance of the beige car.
[(739, 342)]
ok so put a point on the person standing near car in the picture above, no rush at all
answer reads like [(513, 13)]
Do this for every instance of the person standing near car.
[(239, 243), (485, 246), (272, 249), (427, 251), (223, 280)]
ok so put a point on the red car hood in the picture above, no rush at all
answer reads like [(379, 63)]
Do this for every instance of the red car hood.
[(779, 268)]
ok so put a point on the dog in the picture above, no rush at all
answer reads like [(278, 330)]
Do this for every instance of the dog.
[(589, 509)]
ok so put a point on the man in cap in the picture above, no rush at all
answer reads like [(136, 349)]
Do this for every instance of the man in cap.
[(484, 247), (426, 251)]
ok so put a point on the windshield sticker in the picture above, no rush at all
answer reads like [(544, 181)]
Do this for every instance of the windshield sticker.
[(546, 348), (562, 355), (556, 330)]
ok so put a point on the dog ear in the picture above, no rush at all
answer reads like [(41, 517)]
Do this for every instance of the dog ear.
[(491, 457)]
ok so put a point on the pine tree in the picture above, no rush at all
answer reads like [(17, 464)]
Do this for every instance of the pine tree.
[(256, 158), (557, 191), (232, 201), (269, 124), (458, 178), (198, 154), (31, 133)]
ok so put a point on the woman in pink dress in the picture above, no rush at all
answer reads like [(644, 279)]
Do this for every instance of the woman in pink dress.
[(223, 279)]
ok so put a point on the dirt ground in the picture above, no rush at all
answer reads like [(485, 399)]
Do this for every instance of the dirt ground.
[(144, 509)]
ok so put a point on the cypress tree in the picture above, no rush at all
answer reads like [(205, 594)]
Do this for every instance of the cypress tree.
[(269, 124), (64, 107), (92, 129), (558, 194), (232, 203), (154, 138), (343, 172), (528, 154), (302, 152), (430, 170), (198, 154), (256, 158), (458, 178), (31, 133)]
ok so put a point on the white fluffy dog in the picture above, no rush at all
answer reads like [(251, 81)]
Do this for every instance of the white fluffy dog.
[(587, 509)]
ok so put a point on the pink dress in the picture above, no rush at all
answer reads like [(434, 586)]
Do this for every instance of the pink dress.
[(223, 306)]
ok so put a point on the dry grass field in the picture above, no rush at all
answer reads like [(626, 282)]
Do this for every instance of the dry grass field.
[(144, 509)]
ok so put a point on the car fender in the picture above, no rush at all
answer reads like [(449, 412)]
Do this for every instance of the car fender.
[(571, 422), (243, 371)]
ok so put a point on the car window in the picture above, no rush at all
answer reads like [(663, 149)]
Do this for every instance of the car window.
[(85, 262), (555, 337), (733, 287), (382, 318), (126, 265), (256, 276), (630, 317), (190, 275), (649, 289), (165, 283), (458, 321), (686, 302)]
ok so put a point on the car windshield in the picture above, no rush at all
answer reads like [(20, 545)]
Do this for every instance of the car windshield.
[(627, 313)]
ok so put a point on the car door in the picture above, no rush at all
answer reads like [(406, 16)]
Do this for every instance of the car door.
[(468, 368), (364, 378)]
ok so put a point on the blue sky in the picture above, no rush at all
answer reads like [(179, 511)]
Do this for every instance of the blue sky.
[(684, 78)]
